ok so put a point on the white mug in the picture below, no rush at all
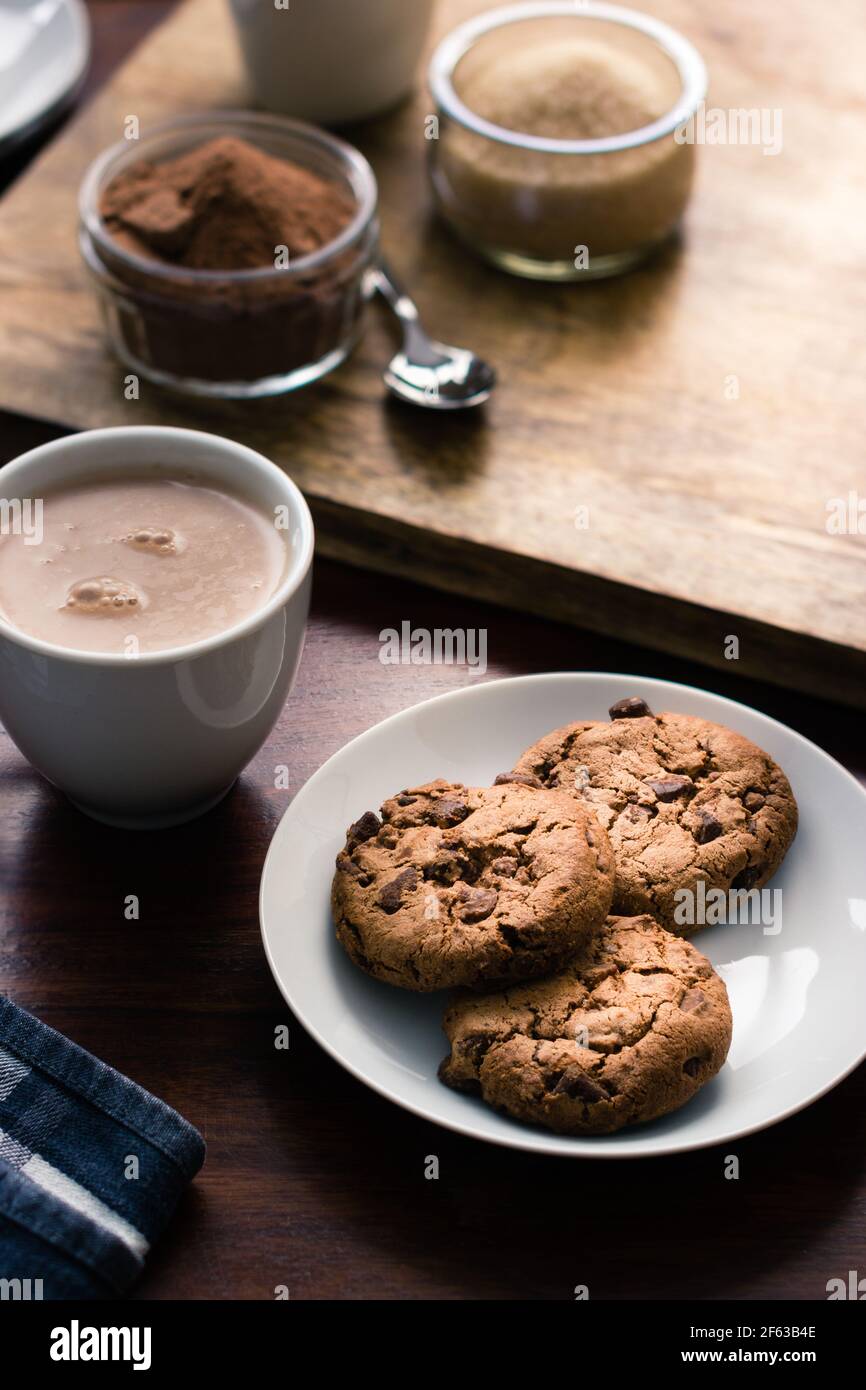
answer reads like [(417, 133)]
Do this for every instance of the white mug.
[(331, 61), (158, 739)]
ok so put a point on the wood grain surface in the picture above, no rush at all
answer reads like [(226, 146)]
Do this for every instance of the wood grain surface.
[(311, 1180), (704, 409)]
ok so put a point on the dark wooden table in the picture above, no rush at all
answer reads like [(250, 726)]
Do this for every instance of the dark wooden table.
[(311, 1180)]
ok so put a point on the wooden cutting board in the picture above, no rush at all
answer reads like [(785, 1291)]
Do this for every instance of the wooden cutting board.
[(704, 411)]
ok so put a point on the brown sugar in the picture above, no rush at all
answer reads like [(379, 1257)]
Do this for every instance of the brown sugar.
[(568, 90)]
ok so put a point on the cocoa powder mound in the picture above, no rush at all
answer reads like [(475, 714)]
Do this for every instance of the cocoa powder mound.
[(226, 205)]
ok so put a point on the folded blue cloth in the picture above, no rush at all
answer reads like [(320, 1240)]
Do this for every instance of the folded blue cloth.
[(91, 1166)]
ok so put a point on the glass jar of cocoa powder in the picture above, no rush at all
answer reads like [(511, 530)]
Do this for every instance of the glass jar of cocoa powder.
[(229, 251)]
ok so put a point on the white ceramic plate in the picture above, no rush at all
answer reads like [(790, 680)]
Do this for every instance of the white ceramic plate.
[(796, 996), (44, 52)]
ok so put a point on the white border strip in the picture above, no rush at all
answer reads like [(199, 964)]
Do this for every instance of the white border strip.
[(12, 1070), (46, 1176)]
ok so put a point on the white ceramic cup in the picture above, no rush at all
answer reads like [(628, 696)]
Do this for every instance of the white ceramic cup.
[(331, 61), (157, 739)]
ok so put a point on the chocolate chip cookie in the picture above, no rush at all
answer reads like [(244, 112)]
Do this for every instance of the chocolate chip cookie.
[(457, 885), (683, 800), (630, 1029)]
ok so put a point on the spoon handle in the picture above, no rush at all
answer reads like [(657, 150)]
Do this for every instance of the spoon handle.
[(388, 286), (417, 344)]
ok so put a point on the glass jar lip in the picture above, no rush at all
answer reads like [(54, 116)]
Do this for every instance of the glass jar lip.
[(358, 169), (683, 54)]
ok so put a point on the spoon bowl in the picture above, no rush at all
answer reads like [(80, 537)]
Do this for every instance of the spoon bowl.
[(424, 372), (455, 379)]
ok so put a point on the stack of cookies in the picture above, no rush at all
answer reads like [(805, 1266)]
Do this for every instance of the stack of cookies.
[(550, 902)]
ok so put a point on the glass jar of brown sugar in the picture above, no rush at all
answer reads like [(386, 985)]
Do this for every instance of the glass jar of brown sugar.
[(557, 153)]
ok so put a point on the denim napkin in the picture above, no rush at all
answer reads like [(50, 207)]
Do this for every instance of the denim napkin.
[(91, 1166)]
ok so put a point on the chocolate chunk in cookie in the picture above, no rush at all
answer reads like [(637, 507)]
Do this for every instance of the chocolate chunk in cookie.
[(390, 897), (708, 826), (669, 788), (471, 885), (363, 829), (629, 1030), (474, 904), (631, 708)]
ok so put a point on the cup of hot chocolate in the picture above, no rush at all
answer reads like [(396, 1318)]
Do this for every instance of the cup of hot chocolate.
[(331, 61), (154, 587)]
